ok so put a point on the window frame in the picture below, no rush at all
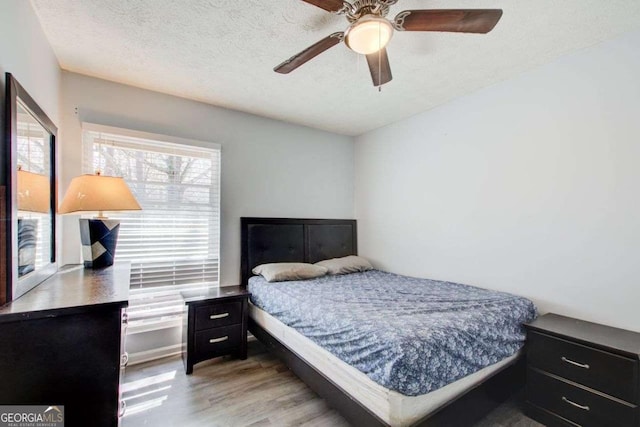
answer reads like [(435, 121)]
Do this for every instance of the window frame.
[(161, 138)]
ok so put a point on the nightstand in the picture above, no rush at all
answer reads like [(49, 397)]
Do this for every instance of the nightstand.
[(215, 325), (582, 373)]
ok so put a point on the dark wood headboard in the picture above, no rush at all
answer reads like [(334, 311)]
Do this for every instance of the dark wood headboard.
[(265, 240)]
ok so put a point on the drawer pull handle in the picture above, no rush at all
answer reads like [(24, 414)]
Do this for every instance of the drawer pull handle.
[(123, 408), (218, 316), (124, 359), (583, 407), (215, 340), (579, 365)]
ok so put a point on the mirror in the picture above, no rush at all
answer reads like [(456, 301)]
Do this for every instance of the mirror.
[(29, 186)]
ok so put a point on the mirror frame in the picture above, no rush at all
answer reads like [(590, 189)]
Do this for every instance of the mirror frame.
[(14, 288)]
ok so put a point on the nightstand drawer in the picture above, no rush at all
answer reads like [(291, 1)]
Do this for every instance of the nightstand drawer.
[(218, 339), (606, 372), (577, 404), (221, 314)]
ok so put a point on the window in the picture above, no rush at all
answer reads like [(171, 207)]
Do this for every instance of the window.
[(173, 243)]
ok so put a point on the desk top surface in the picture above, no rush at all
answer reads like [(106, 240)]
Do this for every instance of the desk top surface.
[(72, 289)]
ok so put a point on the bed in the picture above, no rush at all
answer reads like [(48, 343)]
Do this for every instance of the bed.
[(357, 339)]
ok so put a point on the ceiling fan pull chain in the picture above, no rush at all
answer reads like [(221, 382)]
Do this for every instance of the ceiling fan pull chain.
[(379, 60)]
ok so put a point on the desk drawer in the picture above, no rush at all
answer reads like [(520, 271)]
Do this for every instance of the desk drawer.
[(215, 315), (614, 375), (577, 404)]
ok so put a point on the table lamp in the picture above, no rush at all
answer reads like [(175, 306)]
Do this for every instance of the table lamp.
[(99, 235)]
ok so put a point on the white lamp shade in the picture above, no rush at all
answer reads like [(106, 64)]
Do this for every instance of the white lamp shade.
[(91, 193), (368, 34), (34, 192)]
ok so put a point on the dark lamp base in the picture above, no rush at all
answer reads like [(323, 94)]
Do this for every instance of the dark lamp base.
[(99, 238)]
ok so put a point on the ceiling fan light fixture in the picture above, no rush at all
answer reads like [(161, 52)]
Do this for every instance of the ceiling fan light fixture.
[(368, 34)]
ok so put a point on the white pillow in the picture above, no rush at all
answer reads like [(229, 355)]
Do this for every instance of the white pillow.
[(346, 265), (284, 271)]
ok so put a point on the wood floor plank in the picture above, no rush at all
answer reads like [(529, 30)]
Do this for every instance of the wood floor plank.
[(226, 392)]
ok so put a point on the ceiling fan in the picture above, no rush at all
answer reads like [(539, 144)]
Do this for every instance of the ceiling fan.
[(370, 31)]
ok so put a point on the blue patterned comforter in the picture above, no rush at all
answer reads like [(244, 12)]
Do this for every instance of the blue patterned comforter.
[(407, 334)]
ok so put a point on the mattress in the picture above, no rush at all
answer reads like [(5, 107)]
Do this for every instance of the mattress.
[(408, 335), (393, 408)]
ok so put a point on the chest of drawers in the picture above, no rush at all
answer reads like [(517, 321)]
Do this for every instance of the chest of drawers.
[(215, 325), (582, 373), (62, 344)]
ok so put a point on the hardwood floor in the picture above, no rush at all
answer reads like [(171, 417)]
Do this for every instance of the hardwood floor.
[(259, 391)]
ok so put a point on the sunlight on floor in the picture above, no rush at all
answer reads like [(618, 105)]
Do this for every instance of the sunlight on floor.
[(146, 393)]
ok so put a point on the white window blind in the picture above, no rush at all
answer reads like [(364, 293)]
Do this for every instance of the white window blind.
[(173, 243)]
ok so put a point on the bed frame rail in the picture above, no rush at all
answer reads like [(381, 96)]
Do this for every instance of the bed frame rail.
[(466, 410)]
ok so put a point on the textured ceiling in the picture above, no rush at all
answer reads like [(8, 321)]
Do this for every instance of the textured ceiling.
[(222, 52)]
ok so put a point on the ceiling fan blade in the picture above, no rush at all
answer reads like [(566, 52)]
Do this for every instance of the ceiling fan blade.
[(449, 20), (309, 53), (328, 5), (379, 67)]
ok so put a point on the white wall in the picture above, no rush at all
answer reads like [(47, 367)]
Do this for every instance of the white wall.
[(530, 186), (269, 168), (26, 53)]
